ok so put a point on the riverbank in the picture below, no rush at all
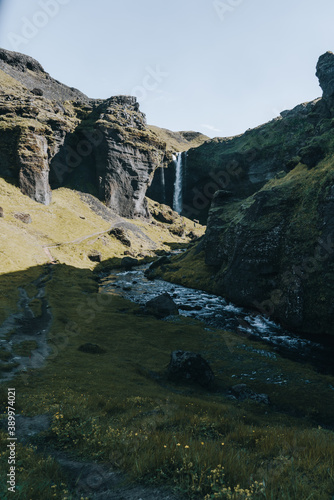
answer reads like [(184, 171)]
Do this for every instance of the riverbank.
[(117, 408)]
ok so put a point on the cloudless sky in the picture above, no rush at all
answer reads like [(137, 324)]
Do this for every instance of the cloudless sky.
[(218, 67)]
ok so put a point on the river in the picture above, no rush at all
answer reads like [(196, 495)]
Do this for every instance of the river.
[(216, 312)]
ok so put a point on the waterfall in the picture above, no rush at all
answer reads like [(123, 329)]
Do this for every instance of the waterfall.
[(178, 191), (163, 185)]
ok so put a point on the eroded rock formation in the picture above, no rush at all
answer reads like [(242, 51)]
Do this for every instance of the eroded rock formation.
[(103, 147)]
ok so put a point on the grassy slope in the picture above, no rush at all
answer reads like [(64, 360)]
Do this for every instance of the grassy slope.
[(67, 219), (178, 141)]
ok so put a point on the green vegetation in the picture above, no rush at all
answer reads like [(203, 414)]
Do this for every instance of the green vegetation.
[(118, 408), (189, 269), (25, 348), (68, 229), (178, 141)]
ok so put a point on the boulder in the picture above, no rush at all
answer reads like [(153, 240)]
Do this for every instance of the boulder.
[(242, 392), (26, 218), (95, 256), (1, 212), (162, 306), (166, 216), (129, 262), (38, 92), (187, 366), (91, 348), (120, 235), (159, 262)]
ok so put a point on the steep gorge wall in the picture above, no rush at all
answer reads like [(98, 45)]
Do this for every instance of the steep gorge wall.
[(273, 251)]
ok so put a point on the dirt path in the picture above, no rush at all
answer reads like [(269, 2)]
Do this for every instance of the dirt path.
[(86, 478)]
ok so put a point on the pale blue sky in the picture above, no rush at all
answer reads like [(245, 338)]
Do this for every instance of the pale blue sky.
[(215, 66)]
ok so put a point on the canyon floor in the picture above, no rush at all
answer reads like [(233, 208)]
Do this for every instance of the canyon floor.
[(110, 424)]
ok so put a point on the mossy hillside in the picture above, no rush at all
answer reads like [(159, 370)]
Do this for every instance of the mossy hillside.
[(244, 163), (114, 407), (69, 229), (178, 141), (189, 269), (9, 84)]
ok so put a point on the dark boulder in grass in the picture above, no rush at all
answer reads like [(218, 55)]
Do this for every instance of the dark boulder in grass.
[(162, 306), (119, 233), (1, 212), (91, 349), (242, 392), (95, 256), (129, 262), (185, 366)]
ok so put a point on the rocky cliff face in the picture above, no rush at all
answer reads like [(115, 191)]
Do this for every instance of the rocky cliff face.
[(273, 251), (103, 147)]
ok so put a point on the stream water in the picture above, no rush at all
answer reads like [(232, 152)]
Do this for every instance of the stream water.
[(216, 312)]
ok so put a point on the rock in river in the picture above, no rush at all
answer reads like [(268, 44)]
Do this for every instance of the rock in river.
[(162, 306)]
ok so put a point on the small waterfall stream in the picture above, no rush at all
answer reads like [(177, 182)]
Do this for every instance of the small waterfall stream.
[(178, 187), (163, 184)]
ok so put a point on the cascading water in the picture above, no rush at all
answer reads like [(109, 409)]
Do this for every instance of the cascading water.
[(163, 184), (178, 191)]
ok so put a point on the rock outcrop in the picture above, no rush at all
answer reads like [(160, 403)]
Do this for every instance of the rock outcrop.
[(325, 73), (32, 76), (127, 156), (96, 146)]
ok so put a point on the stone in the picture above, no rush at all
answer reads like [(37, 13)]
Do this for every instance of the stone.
[(242, 392), (26, 218), (192, 236), (91, 348), (129, 262), (177, 230), (162, 306), (189, 367), (38, 92), (159, 262), (120, 234), (166, 216), (325, 74), (190, 307), (95, 256), (1, 212)]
